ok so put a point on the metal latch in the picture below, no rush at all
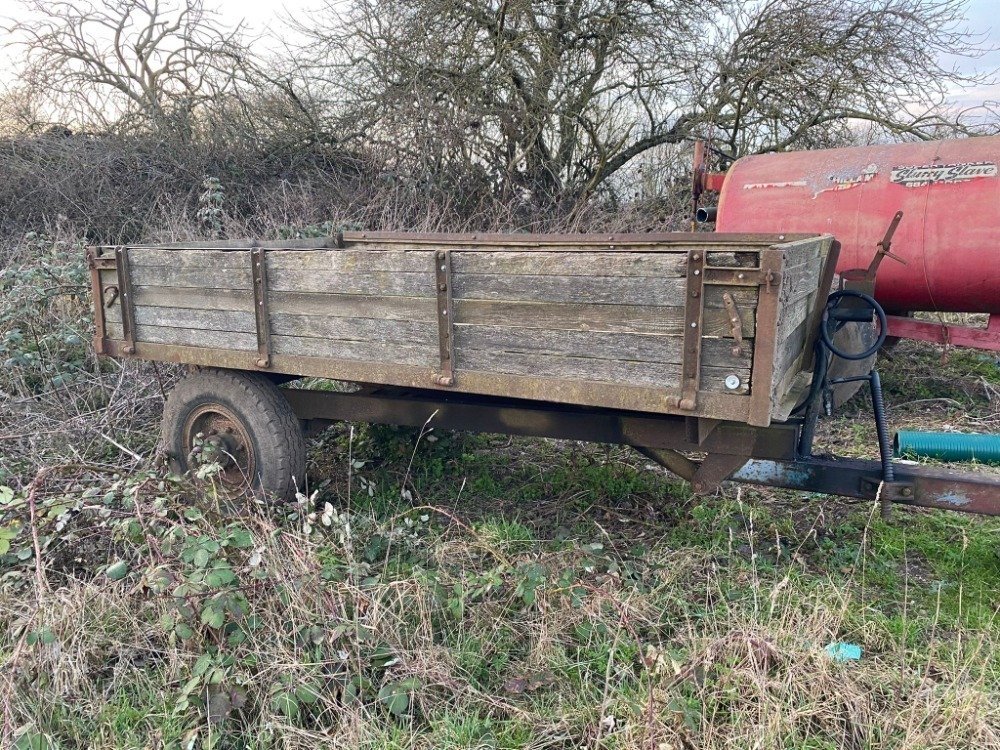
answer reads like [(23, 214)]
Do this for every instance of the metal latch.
[(735, 321)]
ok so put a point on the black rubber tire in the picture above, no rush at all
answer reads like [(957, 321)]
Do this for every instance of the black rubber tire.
[(271, 436)]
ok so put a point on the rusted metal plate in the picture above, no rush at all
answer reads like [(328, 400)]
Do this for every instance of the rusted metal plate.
[(261, 308), (691, 352), (445, 317), (765, 343), (127, 299), (924, 486)]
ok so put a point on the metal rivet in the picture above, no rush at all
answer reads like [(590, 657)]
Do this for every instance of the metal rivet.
[(697, 272), (740, 276), (694, 325), (733, 382), (696, 256)]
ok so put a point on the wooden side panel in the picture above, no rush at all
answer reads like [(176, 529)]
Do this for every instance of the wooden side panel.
[(592, 316), (799, 287), (376, 306)]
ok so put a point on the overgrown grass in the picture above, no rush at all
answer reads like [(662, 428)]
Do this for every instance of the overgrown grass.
[(506, 616)]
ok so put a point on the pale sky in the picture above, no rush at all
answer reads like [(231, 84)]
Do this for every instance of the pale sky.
[(983, 17)]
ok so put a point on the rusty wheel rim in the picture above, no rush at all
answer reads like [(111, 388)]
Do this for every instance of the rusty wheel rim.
[(214, 433)]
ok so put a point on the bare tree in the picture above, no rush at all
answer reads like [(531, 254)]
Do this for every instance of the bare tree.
[(553, 98), (119, 63), (802, 74)]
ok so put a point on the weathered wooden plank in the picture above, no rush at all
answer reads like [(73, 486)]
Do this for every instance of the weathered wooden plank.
[(590, 345), (179, 317), (789, 349), (352, 261), (376, 283), (371, 330), (362, 351), (803, 279), (593, 264), (245, 244), (296, 303), (606, 318), (791, 317), (143, 257), (240, 300), (639, 374), (202, 320), (114, 329), (354, 306), (607, 290), (108, 278), (198, 338), (202, 278)]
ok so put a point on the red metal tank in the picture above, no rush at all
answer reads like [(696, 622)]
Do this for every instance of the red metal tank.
[(948, 191)]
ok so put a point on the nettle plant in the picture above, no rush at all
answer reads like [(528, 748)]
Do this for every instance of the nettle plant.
[(45, 316)]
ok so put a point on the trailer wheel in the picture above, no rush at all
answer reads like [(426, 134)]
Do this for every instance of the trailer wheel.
[(241, 421)]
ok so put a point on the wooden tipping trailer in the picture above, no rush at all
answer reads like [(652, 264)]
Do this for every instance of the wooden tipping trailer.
[(667, 342)]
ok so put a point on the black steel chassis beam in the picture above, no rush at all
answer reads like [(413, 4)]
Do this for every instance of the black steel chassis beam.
[(771, 452)]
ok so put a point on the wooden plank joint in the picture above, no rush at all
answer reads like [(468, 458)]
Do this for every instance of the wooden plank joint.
[(445, 315)]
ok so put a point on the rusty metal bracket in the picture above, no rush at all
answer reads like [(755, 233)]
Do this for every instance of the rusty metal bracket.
[(735, 321), (128, 299), (765, 344), (863, 279), (693, 313), (258, 266), (749, 277), (442, 279)]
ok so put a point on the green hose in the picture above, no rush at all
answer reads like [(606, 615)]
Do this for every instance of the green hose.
[(947, 446)]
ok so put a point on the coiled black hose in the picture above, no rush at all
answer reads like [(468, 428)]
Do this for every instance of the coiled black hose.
[(825, 348)]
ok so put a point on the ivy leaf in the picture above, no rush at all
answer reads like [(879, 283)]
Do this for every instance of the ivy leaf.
[(117, 571)]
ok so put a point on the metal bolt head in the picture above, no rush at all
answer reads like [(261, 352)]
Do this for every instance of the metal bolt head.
[(906, 492), (733, 382)]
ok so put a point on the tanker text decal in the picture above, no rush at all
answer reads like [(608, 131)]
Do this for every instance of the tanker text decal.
[(918, 176)]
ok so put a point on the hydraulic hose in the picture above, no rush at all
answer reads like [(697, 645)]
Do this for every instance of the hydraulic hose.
[(947, 446)]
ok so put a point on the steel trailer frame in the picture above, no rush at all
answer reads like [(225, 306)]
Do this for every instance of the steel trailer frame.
[(769, 456)]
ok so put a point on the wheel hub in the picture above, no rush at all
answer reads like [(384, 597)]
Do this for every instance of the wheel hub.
[(213, 433)]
